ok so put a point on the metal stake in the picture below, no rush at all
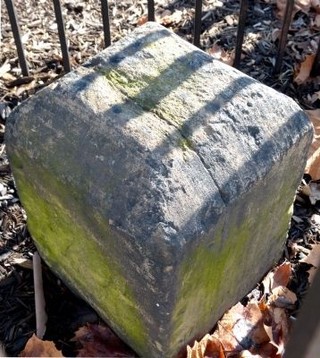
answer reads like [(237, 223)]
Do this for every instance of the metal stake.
[(106, 23), (244, 4), (197, 23), (62, 36), (284, 35), (17, 37), (151, 16)]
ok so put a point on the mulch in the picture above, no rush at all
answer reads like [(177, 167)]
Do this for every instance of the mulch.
[(66, 312)]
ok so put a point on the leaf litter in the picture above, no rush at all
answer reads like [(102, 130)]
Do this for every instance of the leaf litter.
[(258, 328), (259, 325)]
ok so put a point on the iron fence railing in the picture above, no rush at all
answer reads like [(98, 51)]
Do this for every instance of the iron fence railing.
[(151, 17), (309, 324)]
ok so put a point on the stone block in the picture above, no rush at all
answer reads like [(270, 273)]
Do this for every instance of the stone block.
[(158, 184)]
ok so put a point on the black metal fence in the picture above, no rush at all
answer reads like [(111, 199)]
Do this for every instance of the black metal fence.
[(151, 17)]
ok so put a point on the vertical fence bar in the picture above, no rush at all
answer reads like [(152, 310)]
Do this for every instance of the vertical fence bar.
[(151, 16), (17, 38), (62, 36), (240, 33), (197, 23), (106, 22), (316, 64), (284, 34)]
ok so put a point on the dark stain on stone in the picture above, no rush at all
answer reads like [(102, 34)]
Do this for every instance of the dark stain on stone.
[(117, 109)]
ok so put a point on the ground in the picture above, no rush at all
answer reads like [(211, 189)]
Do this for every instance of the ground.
[(66, 312)]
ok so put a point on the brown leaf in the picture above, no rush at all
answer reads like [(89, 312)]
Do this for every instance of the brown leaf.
[(313, 258), (315, 4), (280, 327), (277, 329), (225, 328), (220, 54), (313, 163), (316, 21), (99, 341), (282, 275), (314, 188), (172, 19), (313, 168), (35, 347), (316, 95), (282, 297), (312, 272), (240, 324), (303, 72), (303, 5), (142, 20), (279, 277), (209, 346), (300, 5)]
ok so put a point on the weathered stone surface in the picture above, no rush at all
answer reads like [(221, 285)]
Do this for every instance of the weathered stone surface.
[(158, 184)]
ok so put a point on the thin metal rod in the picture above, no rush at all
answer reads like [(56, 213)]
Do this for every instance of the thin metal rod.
[(106, 22), (240, 33), (17, 37), (151, 16), (197, 23), (316, 64), (284, 35), (62, 36)]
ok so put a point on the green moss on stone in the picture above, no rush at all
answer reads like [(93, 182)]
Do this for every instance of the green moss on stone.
[(155, 92), (211, 275), (185, 143), (72, 250)]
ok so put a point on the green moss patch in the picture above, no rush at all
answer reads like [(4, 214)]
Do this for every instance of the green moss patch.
[(72, 250)]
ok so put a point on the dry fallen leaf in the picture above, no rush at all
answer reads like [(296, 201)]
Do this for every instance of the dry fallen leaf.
[(240, 324), (282, 275), (142, 20), (313, 258), (312, 272), (316, 21), (313, 163), (99, 341), (282, 297), (220, 54), (316, 95), (172, 19), (35, 347), (300, 5), (6, 67), (314, 187), (279, 277), (209, 346), (303, 5), (315, 5), (303, 72), (22, 262), (280, 328)]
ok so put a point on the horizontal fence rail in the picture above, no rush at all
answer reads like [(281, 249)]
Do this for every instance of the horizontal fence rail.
[(244, 4)]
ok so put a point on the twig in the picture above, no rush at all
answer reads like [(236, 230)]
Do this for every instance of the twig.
[(41, 316)]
